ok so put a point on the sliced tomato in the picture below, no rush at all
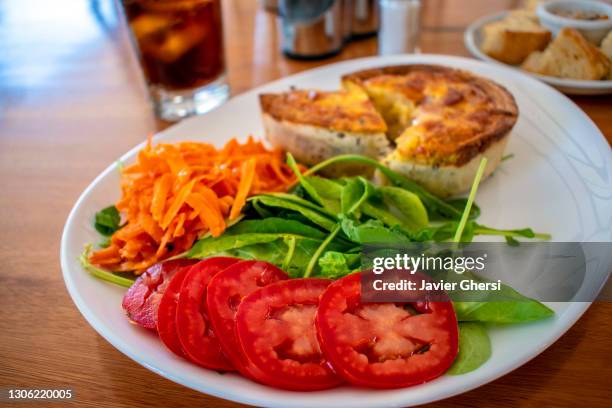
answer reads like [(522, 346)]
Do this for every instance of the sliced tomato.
[(166, 312), (196, 336), (385, 345), (142, 299), (276, 330), (225, 292)]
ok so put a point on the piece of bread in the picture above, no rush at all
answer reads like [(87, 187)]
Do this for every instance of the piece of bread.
[(512, 39), (606, 45), (533, 63), (316, 125), (606, 48), (531, 5), (570, 56)]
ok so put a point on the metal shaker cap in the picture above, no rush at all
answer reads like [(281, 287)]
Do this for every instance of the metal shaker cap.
[(311, 28)]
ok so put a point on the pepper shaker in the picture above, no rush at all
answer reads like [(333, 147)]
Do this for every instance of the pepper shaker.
[(399, 26), (362, 18), (311, 28)]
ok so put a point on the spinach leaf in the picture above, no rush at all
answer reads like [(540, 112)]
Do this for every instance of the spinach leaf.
[(214, 245), (433, 203), (313, 213), (289, 244), (372, 232), (107, 221), (335, 265), (474, 348), (517, 311), (276, 225), (413, 213), (260, 210), (514, 308), (511, 241), (290, 254), (354, 193), (329, 192), (445, 232), (378, 210)]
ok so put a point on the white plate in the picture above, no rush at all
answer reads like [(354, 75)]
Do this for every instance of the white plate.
[(472, 39), (558, 181)]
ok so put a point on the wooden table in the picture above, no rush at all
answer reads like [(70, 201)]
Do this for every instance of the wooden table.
[(72, 100)]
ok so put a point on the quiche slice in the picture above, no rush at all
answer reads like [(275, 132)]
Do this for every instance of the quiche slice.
[(316, 125), (431, 123), (450, 121)]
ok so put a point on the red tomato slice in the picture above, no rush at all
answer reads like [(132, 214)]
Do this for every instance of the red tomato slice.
[(192, 324), (225, 292), (141, 300), (276, 329), (166, 313), (385, 345)]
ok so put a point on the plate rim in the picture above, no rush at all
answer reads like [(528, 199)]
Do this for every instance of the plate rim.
[(570, 315), (583, 86)]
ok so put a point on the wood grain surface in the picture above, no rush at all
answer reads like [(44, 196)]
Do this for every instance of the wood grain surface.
[(72, 100)]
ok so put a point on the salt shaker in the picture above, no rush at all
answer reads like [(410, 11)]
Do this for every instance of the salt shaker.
[(399, 26)]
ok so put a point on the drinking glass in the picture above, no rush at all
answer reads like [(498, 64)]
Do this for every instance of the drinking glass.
[(180, 49)]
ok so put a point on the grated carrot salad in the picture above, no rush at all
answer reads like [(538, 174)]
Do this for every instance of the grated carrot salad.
[(176, 193)]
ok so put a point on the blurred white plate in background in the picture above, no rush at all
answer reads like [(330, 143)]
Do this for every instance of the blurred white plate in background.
[(472, 39)]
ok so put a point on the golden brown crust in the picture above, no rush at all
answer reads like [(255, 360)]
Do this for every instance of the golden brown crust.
[(340, 111), (457, 116)]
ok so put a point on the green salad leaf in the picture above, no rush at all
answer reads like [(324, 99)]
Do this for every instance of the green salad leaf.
[(474, 348), (410, 208), (329, 192), (107, 221), (513, 308), (432, 202), (334, 264), (293, 203), (372, 232), (276, 225), (503, 312), (354, 193)]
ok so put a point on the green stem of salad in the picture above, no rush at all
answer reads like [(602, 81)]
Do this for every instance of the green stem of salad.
[(290, 252), (470, 200), (481, 230), (319, 251), (101, 273)]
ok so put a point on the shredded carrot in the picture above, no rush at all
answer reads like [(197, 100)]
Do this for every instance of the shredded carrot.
[(247, 174), (176, 193)]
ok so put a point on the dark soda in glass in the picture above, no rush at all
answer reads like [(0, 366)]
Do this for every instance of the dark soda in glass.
[(180, 42)]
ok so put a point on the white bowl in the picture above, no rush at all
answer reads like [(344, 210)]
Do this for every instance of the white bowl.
[(593, 30)]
